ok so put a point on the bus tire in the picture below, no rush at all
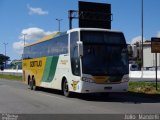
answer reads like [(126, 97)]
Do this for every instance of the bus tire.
[(65, 88), (28, 80), (32, 84)]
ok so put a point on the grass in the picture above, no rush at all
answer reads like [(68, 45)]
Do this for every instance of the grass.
[(10, 77), (144, 87)]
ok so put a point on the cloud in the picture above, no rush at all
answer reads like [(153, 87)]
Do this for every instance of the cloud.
[(31, 34), (158, 34), (137, 39), (18, 46), (37, 11)]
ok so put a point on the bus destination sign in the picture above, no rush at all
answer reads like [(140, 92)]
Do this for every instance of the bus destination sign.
[(155, 45)]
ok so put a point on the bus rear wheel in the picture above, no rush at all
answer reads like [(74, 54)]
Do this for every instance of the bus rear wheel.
[(65, 89), (32, 84)]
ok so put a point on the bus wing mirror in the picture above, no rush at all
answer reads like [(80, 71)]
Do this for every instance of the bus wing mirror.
[(80, 48)]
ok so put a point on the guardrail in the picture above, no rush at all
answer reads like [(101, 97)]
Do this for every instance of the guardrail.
[(133, 75), (144, 75), (11, 72)]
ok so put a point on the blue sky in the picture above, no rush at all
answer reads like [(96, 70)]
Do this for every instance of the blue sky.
[(36, 18)]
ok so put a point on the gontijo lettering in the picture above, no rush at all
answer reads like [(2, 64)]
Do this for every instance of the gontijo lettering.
[(36, 63)]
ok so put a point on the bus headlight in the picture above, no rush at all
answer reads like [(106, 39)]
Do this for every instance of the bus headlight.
[(125, 78), (88, 80)]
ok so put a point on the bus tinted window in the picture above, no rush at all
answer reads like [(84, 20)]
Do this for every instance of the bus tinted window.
[(102, 37), (53, 47), (75, 62), (105, 53)]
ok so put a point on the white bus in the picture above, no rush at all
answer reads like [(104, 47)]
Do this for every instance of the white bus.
[(81, 60)]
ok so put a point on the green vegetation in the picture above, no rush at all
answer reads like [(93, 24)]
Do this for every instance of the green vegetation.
[(3, 59), (144, 87), (139, 62), (10, 77)]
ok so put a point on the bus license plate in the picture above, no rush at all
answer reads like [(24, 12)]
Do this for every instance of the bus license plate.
[(108, 88)]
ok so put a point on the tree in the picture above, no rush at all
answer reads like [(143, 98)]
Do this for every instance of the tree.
[(139, 62), (3, 59)]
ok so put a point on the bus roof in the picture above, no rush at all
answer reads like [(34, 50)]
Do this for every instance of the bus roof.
[(48, 37), (92, 29), (55, 34)]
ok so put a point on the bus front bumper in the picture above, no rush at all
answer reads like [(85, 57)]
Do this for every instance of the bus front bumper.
[(95, 88)]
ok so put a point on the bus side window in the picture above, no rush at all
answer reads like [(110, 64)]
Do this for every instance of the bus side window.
[(75, 62)]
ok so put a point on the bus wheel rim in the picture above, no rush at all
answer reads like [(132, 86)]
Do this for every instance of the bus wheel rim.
[(65, 87)]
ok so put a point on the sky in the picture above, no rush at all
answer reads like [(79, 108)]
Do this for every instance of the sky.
[(37, 18)]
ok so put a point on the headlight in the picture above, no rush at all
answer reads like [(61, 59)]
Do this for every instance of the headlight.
[(88, 80), (125, 78)]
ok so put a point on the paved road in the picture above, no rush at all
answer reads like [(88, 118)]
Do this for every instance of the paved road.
[(15, 97)]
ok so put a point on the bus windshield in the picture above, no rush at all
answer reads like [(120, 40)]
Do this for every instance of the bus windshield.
[(105, 53)]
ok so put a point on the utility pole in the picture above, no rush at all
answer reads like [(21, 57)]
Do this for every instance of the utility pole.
[(59, 21), (5, 44), (142, 31), (24, 38)]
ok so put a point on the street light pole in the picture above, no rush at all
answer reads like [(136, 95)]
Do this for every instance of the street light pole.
[(5, 44), (59, 20), (24, 38), (142, 30)]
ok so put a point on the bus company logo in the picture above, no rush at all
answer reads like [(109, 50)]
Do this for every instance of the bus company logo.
[(36, 63), (74, 85), (64, 62), (6, 116)]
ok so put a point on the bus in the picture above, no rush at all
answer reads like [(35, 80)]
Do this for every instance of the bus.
[(81, 60)]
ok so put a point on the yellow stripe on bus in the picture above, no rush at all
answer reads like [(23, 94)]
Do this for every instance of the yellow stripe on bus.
[(34, 67)]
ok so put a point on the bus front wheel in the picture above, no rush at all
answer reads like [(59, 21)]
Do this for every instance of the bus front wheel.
[(66, 88)]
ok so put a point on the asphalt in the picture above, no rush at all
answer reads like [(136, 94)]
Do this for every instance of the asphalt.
[(17, 98)]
